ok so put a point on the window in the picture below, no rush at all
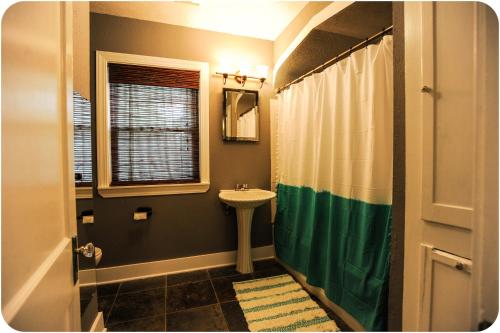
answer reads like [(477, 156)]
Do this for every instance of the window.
[(82, 146), (152, 125)]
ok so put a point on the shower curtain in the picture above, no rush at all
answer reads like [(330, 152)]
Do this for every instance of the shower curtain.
[(333, 217)]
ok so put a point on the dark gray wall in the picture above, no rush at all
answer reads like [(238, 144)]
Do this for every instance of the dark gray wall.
[(189, 224), (83, 232), (395, 303)]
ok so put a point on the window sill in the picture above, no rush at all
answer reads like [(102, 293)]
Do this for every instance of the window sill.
[(83, 192), (148, 190)]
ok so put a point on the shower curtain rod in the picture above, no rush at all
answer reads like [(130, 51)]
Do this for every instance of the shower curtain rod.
[(336, 58)]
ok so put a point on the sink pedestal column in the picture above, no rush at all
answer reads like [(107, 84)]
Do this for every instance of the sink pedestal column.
[(244, 262)]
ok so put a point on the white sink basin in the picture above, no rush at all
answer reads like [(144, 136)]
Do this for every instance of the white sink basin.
[(245, 202), (246, 199)]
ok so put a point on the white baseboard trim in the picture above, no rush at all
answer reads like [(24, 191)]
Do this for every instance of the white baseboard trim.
[(87, 277), (178, 265), (98, 325), (320, 293)]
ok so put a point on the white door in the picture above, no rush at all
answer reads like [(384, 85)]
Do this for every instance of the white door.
[(451, 226), (38, 201)]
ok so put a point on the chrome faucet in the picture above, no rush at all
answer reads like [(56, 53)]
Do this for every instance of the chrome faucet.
[(241, 187)]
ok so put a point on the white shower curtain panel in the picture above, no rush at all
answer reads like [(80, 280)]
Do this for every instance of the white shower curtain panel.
[(333, 219), (335, 128)]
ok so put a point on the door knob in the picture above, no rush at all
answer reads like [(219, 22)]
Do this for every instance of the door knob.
[(87, 250), (459, 266)]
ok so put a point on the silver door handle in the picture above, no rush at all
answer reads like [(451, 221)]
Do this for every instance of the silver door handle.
[(87, 250)]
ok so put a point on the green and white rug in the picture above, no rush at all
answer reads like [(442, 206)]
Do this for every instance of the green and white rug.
[(280, 304)]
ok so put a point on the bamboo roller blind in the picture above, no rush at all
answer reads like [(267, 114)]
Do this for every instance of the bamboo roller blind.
[(82, 140), (154, 125)]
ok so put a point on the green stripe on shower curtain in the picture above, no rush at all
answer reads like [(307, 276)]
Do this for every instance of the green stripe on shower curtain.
[(341, 245), (334, 169)]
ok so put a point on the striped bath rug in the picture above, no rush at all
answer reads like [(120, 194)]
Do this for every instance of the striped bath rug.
[(280, 304)]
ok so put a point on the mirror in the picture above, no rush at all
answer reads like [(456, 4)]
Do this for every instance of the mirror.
[(84, 207), (240, 121)]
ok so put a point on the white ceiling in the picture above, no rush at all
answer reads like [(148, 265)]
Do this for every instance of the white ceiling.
[(264, 19)]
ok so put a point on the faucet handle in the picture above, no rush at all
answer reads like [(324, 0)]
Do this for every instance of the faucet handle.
[(241, 187)]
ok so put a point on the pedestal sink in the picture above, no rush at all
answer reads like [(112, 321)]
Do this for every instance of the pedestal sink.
[(245, 201)]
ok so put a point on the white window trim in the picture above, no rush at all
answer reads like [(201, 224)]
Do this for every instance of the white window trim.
[(83, 192), (103, 126)]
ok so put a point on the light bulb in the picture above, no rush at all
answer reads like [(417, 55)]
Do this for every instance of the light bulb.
[(244, 70), (224, 68), (262, 71)]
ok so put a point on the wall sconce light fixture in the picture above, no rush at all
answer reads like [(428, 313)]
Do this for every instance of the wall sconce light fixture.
[(241, 77), (224, 76)]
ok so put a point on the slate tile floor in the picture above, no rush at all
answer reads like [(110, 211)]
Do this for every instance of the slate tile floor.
[(202, 300)]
